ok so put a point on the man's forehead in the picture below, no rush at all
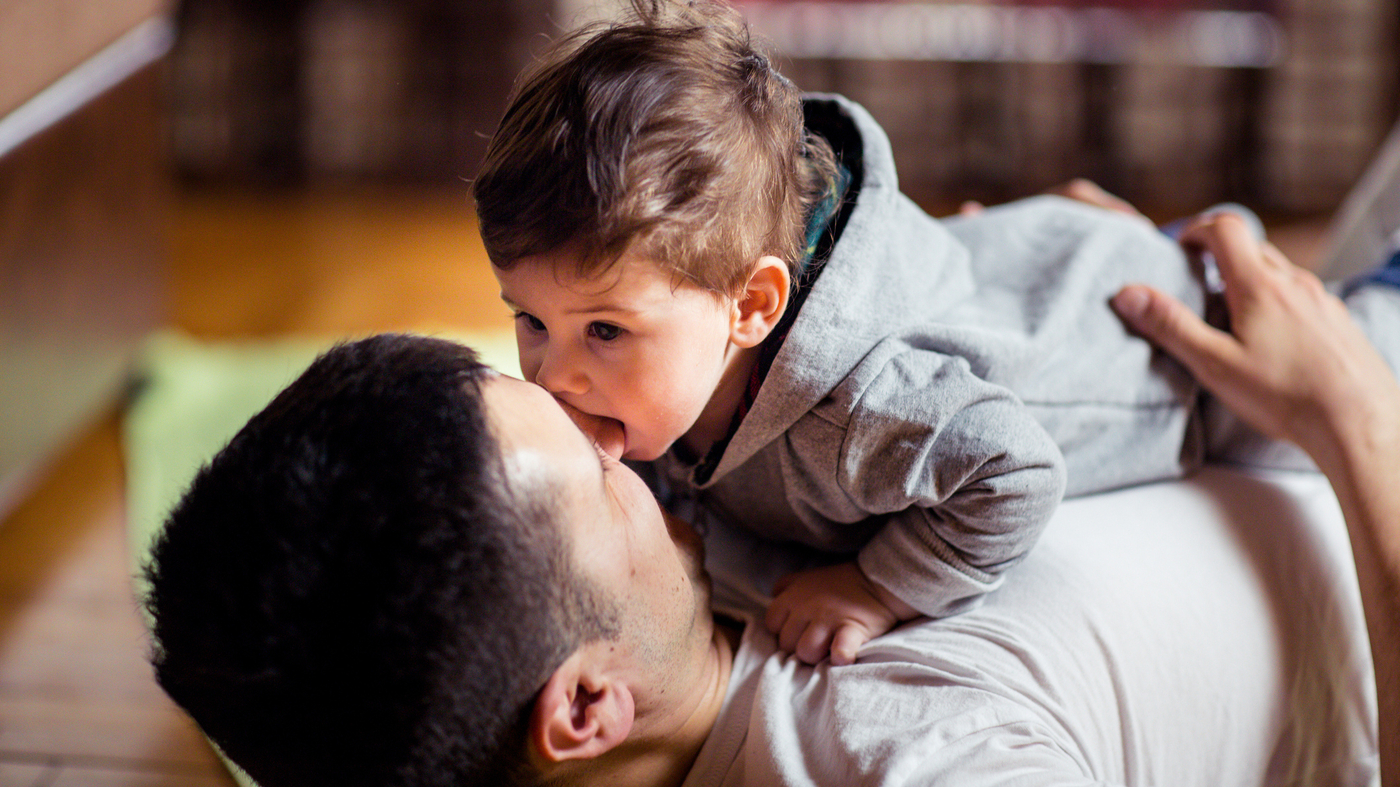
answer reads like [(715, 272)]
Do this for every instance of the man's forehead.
[(537, 438)]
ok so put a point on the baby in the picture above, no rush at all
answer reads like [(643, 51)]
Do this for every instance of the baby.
[(725, 273)]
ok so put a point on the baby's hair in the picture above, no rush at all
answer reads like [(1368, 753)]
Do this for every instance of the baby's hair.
[(668, 134)]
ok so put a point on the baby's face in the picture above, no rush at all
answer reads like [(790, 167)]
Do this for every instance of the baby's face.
[(628, 345)]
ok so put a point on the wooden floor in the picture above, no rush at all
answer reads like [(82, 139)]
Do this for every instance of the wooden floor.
[(77, 704)]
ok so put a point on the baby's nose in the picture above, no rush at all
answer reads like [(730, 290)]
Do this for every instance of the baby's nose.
[(558, 376)]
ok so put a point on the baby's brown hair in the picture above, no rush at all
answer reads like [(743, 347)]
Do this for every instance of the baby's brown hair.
[(668, 133)]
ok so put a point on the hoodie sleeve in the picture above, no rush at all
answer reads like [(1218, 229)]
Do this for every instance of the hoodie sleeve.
[(963, 474)]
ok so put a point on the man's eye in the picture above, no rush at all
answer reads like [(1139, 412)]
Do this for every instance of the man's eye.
[(531, 321), (603, 331)]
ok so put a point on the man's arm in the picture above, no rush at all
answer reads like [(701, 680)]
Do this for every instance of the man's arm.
[(1297, 368)]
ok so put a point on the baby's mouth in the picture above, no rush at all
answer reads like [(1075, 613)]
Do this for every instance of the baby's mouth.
[(611, 436), (608, 433)]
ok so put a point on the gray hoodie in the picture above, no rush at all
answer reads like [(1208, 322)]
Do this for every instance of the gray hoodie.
[(945, 382)]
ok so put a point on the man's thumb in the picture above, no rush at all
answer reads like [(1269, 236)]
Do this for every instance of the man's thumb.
[(1169, 324)]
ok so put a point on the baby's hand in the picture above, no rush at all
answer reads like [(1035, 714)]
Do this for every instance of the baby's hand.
[(835, 608)]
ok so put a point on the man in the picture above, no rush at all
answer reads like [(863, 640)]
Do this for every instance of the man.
[(372, 582), (410, 570)]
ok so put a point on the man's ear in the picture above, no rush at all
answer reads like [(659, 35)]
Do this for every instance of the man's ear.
[(581, 712), (762, 303)]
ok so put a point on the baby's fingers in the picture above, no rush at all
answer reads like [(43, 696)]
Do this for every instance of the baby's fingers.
[(784, 582), (844, 645), (792, 632), (814, 643), (776, 616)]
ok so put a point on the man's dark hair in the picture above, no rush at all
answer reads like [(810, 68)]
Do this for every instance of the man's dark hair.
[(352, 592)]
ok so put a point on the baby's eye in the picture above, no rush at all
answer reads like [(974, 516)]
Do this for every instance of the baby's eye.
[(531, 321), (604, 331)]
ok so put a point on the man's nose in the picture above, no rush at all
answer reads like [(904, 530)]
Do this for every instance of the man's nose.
[(560, 372)]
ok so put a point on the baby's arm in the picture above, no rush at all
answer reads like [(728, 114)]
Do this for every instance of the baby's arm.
[(964, 480)]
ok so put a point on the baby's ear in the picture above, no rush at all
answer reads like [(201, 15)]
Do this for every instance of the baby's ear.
[(762, 303)]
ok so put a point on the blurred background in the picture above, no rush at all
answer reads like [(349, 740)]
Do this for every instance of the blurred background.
[(1171, 103), (251, 170)]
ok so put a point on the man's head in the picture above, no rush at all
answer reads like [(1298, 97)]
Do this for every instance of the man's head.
[(375, 580), (644, 204)]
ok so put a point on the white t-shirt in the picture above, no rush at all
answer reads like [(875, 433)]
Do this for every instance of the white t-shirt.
[(1199, 632)]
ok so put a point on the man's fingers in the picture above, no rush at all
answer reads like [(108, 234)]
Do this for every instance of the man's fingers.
[(1273, 255), (1091, 193), (1169, 324), (1238, 254)]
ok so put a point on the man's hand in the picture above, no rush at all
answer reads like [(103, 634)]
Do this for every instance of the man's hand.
[(1079, 190), (834, 608), (1299, 368), (1089, 192), (1296, 367)]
